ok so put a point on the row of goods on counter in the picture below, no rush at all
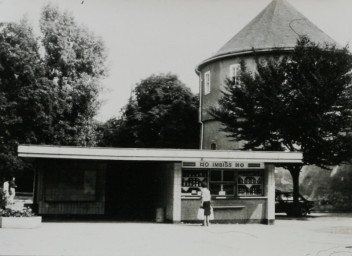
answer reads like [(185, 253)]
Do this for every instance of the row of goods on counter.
[(242, 190), (197, 174), (249, 180), (192, 182), (253, 190)]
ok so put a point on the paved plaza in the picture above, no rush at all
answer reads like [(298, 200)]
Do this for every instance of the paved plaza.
[(318, 235)]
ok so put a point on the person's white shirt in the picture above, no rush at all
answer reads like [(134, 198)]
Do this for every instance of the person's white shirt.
[(205, 194), (5, 188)]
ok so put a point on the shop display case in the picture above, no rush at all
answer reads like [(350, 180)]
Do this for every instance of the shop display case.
[(192, 182), (222, 183), (250, 183)]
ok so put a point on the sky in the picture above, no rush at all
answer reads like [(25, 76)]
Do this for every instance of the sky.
[(145, 37)]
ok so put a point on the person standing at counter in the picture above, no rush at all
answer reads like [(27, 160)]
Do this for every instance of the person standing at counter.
[(205, 203)]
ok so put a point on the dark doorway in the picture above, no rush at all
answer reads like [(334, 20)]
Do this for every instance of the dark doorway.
[(131, 191)]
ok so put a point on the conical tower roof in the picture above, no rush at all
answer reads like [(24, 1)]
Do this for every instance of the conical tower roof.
[(278, 26)]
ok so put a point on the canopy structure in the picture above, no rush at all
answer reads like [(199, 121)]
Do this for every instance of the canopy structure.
[(147, 154)]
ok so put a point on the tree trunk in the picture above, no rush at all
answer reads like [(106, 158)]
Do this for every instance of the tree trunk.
[(295, 171)]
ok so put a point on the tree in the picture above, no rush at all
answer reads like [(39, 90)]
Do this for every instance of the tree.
[(48, 88), (298, 103), (115, 133), (25, 94), (162, 114), (75, 60)]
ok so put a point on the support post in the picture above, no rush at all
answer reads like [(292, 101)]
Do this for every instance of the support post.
[(270, 193), (176, 218)]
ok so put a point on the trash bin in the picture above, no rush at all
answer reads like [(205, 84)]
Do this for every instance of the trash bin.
[(159, 216)]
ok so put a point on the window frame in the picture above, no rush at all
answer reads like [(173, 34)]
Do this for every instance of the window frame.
[(207, 84), (213, 146), (222, 182), (191, 175), (250, 175), (235, 69)]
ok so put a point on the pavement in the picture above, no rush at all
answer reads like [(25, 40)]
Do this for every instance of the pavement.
[(317, 235)]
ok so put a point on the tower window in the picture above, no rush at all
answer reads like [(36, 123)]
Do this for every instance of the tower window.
[(235, 70), (207, 82), (213, 146)]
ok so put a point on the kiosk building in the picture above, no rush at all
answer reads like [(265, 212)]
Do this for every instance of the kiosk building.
[(130, 184)]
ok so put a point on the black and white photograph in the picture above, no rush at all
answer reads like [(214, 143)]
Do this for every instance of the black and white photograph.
[(164, 127)]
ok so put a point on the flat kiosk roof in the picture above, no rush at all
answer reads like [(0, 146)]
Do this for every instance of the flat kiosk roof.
[(147, 154)]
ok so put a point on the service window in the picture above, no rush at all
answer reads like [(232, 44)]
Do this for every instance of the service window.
[(222, 182), (250, 183), (192, 181), (215, 175)]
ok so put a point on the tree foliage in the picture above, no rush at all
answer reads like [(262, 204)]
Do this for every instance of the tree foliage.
[(162, 114), (48, 87), (301, 102), (75, 61), (26, 94)]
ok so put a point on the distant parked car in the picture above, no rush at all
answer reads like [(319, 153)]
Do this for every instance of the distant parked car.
[(284, 203)]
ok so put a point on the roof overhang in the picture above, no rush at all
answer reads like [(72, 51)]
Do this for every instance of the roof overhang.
[(147, 154), (242, 53)]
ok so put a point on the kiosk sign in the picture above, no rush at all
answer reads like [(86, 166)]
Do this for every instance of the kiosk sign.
[(223, 165)]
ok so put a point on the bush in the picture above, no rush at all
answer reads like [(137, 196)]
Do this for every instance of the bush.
[(341, 201), (3, 199), (8, 212)]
